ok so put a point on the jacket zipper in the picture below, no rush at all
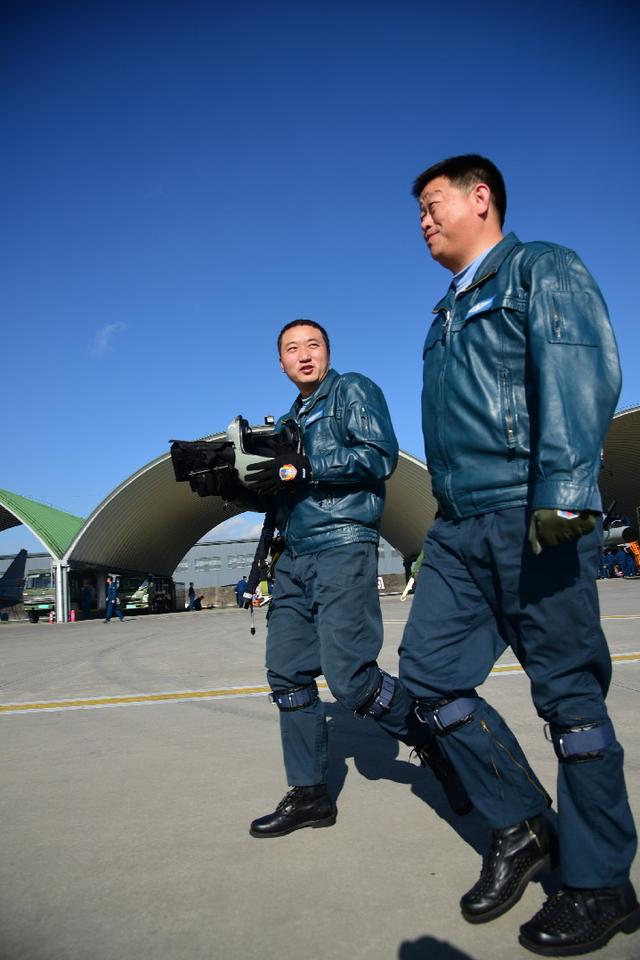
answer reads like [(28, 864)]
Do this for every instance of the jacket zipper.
[(365, 420), (556, 323), (508, 412), (445, 335)]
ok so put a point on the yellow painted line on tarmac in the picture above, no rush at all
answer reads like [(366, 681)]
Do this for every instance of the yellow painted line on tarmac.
[(135, 699), (503, 668), (226, 693)]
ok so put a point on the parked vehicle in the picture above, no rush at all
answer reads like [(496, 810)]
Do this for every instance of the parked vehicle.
[(39, 594), (147, 594)]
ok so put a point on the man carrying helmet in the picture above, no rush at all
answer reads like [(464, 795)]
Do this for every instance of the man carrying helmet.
[(325, 614)]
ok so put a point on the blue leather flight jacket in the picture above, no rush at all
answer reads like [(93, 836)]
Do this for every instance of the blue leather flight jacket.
[(520, 380), (349, 440)]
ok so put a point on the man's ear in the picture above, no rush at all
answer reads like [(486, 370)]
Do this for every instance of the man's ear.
[(281, 366), (482, 198)]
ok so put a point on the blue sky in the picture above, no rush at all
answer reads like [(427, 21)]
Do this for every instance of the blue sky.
[(179, 179)]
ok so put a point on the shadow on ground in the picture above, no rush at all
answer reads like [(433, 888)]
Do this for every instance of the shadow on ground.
[(432, 948), (375, 756)]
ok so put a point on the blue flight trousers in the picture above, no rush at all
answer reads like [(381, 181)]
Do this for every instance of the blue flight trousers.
[(325, 618), (480, 590), (111, 608)]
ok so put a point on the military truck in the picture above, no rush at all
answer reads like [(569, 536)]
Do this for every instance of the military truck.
[(147, 594), (39, 594), (136, 594)]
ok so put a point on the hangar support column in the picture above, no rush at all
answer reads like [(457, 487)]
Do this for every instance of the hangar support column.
[(62, 592)]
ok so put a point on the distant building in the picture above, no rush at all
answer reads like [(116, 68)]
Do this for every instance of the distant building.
[(214, 563), (219, 563)]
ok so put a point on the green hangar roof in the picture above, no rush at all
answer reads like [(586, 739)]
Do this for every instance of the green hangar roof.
[(54, 528)]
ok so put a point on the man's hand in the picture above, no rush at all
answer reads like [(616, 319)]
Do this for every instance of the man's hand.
[(549, 528), (283, 473)]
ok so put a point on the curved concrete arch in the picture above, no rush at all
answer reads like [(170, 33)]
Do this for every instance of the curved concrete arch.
[(149, 522)]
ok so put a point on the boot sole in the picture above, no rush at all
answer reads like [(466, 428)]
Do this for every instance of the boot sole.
[(327, 822), (628, 925), (541, 866)]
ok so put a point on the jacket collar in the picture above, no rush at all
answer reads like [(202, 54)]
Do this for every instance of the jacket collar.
[(488, 268), (321, 391)]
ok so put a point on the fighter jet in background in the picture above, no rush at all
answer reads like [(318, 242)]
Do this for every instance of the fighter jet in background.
[(12, 581)]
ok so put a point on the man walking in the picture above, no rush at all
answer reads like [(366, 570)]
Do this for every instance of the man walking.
[(241, 586), (325, 615), (191, 596), (112, 602), (521, 378)]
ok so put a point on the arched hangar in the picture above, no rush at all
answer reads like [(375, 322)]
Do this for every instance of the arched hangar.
[(149, 522)]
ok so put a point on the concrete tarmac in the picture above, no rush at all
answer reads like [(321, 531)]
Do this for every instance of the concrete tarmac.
[(134, 756)]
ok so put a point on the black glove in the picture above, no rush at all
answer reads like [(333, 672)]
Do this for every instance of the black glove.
[(549, 528), (285, 472)]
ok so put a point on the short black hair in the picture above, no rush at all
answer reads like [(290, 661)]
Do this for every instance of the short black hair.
[(466, 171), (301, 322)]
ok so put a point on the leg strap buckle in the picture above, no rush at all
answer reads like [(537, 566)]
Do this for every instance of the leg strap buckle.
[(295, 698), (581, 741), (381, 701), (448, 716)]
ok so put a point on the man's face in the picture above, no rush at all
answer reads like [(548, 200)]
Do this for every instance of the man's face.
[(450, 222), (304, 357)]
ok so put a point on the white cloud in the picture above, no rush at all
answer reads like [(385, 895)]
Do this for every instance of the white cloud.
[(102, 341), (243, 527)]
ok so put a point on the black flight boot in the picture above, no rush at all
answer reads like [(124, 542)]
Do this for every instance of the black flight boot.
[(517, 854), (430, 755), (574, 921), (300, 807)]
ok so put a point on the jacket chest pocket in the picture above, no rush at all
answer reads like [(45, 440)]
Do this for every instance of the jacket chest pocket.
[(317, 433), (488, 310)]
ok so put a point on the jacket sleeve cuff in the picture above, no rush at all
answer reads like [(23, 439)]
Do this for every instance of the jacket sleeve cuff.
[(565, 495)]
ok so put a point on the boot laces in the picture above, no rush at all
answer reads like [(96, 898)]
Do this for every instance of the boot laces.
[(485, 880), (288, 799)]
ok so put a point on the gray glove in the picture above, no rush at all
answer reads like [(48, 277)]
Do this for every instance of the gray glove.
[(549, 528)]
